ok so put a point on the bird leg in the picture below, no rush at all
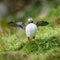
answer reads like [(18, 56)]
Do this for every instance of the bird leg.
[(29, 38), (33, 37)]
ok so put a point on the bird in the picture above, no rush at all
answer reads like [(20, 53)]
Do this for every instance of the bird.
[(30, 28)]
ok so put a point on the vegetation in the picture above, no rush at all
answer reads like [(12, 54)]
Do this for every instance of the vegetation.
[(45, 46)]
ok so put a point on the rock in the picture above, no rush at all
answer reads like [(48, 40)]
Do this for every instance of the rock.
[(20, 14), (3, 10)]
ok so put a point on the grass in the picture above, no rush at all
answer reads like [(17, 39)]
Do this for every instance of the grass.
[(46, 42), (45, 35)]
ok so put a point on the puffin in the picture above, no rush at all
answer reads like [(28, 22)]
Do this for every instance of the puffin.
[(30, 28)]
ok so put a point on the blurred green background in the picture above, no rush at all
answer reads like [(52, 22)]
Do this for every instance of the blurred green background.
[(13, 41)]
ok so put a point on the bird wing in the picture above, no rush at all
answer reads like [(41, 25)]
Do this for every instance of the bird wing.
[(42, 23), (17, 24)]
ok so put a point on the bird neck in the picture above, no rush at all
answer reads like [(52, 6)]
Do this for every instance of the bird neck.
[(30, 22)]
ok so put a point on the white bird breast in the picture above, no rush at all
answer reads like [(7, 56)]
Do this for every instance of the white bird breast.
[(31, 30)]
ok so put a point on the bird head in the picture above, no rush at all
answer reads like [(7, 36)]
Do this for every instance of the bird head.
[(30, 20)]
